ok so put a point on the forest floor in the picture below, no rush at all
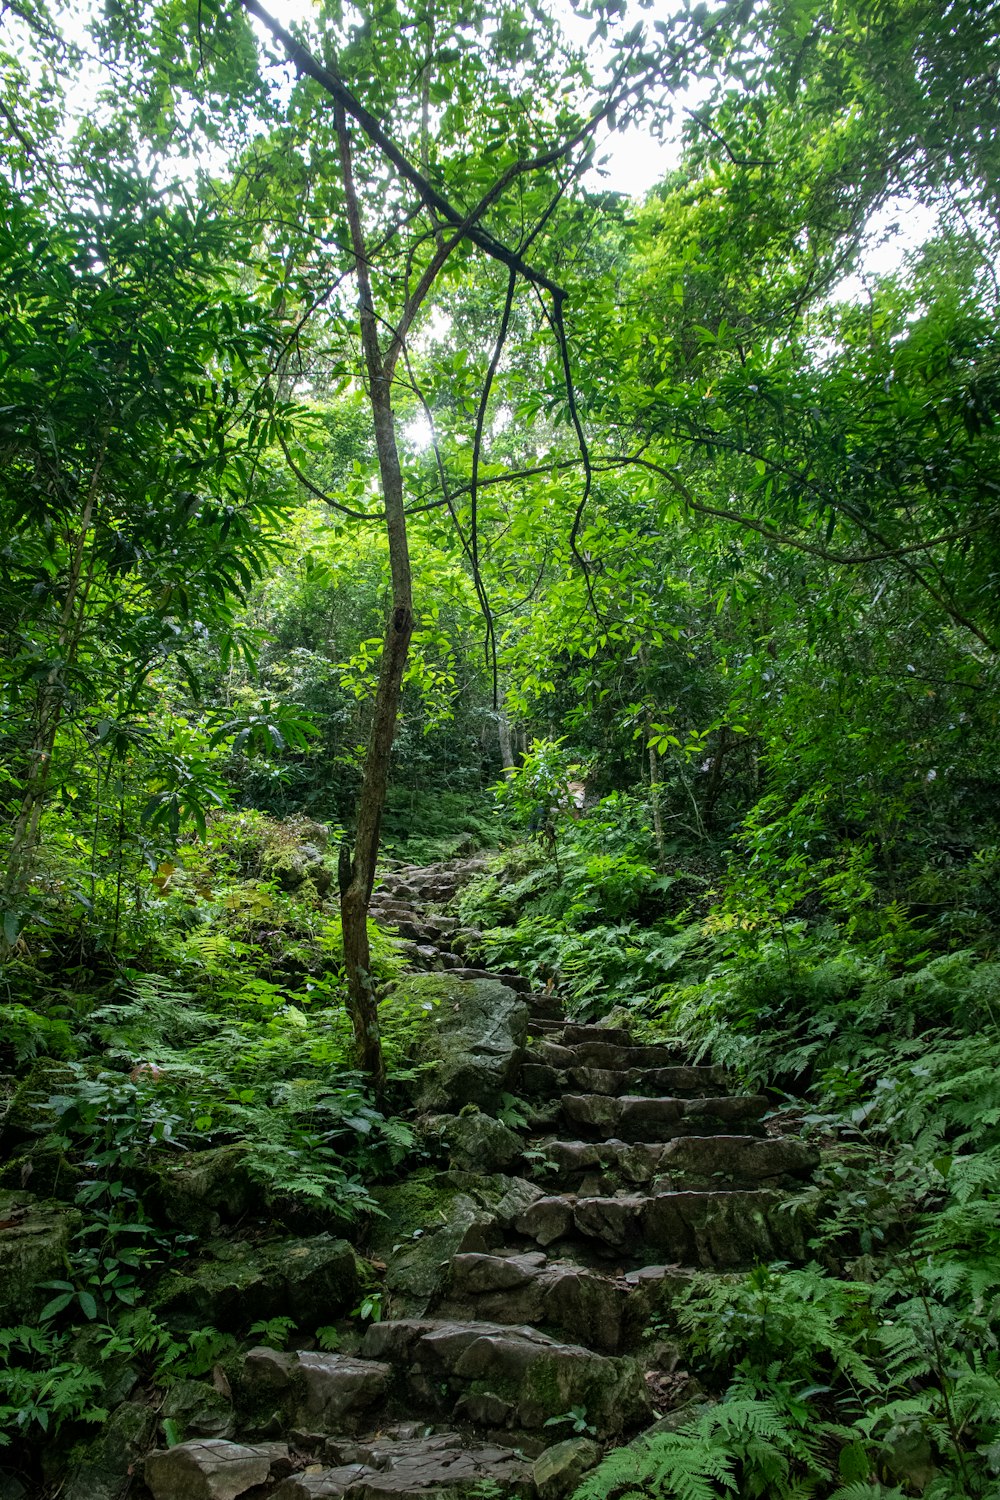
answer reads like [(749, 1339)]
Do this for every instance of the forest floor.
[(602, 1260)]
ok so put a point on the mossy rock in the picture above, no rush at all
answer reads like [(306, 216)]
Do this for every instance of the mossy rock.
[(35, 1236), (101, 1469), (202, 1189), (28, 1113), (427, 1222), (472, 1043), (310, 1281), (477, 1142), (198, 1409), (44, 1168)]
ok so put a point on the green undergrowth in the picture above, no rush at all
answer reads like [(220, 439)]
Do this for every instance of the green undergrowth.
[(220, 1023), (583, 907), (874, 1369)]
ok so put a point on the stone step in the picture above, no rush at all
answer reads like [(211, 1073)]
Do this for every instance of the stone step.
[(580, 1303), (714, 1230), (556, 1054), (515, 982), (637, 1118), (431, 1467), (600, 1168), (691, 1082), (505, 1377), (575, 1034)]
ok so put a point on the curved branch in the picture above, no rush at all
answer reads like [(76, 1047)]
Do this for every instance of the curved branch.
[(317, 493)]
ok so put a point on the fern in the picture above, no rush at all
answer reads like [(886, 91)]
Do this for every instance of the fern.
[(862, 1489), (669, 1464)]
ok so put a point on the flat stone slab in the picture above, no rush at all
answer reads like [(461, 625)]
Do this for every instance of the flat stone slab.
[(673, 1081), (513, 1375), (637, 1118), (573, 1035), (206, 1469), (338, 1386), (531, 1289), (423, 1468), (618, 1055), (738, 1158)]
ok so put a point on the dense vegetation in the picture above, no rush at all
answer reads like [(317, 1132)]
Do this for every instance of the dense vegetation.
[(682, 497)]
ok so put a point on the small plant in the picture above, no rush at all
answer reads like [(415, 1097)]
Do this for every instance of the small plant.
[(41, 1385), (576, 1419), (274, 1332), (512, 1112), (369, 1309)]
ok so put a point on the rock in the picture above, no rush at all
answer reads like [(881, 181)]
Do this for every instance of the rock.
[(294, 856), (427, 1221), (616, 1036), (309, 1280), (104, 1472), (474, 1038), (485, 1410), (337, 1387), (472, 1275), (588, 1307), (28, 1112), (738, 1158), (613, 1221), (678, 1081), (34, 1241), (207, 1469), (538, 1376), (723, 1229), (479, 1143), (558, 1470), (199, 1410), (546, 1220), (639, 1119), (267, 1371), (424, 1470), (203, 1188)]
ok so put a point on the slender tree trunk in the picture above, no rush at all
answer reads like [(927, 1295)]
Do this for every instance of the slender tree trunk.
[(506, 746), (654, 799), (357, 873)]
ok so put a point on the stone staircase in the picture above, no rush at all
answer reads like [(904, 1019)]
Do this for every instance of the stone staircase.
[(637, 1168)]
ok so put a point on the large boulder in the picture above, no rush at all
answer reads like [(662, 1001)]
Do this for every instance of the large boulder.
[(207, 1469), (199, 1190), (102, 1470), (472, 1043), (294, 855), (309, 1280), (34, 1243), (426, 1220)]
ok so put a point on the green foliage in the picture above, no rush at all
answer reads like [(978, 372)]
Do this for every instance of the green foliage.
[(274, 1332), (40, 1386)]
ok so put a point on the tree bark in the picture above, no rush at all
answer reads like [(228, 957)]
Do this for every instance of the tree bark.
[(504, 737), (654, 801), (358, 877)]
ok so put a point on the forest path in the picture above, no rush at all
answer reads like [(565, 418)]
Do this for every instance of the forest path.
[(532, 1353)]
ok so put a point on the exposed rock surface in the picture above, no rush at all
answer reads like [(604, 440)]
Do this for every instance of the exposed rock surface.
[(206, 1469), (308, 1280), (34, 1239)]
